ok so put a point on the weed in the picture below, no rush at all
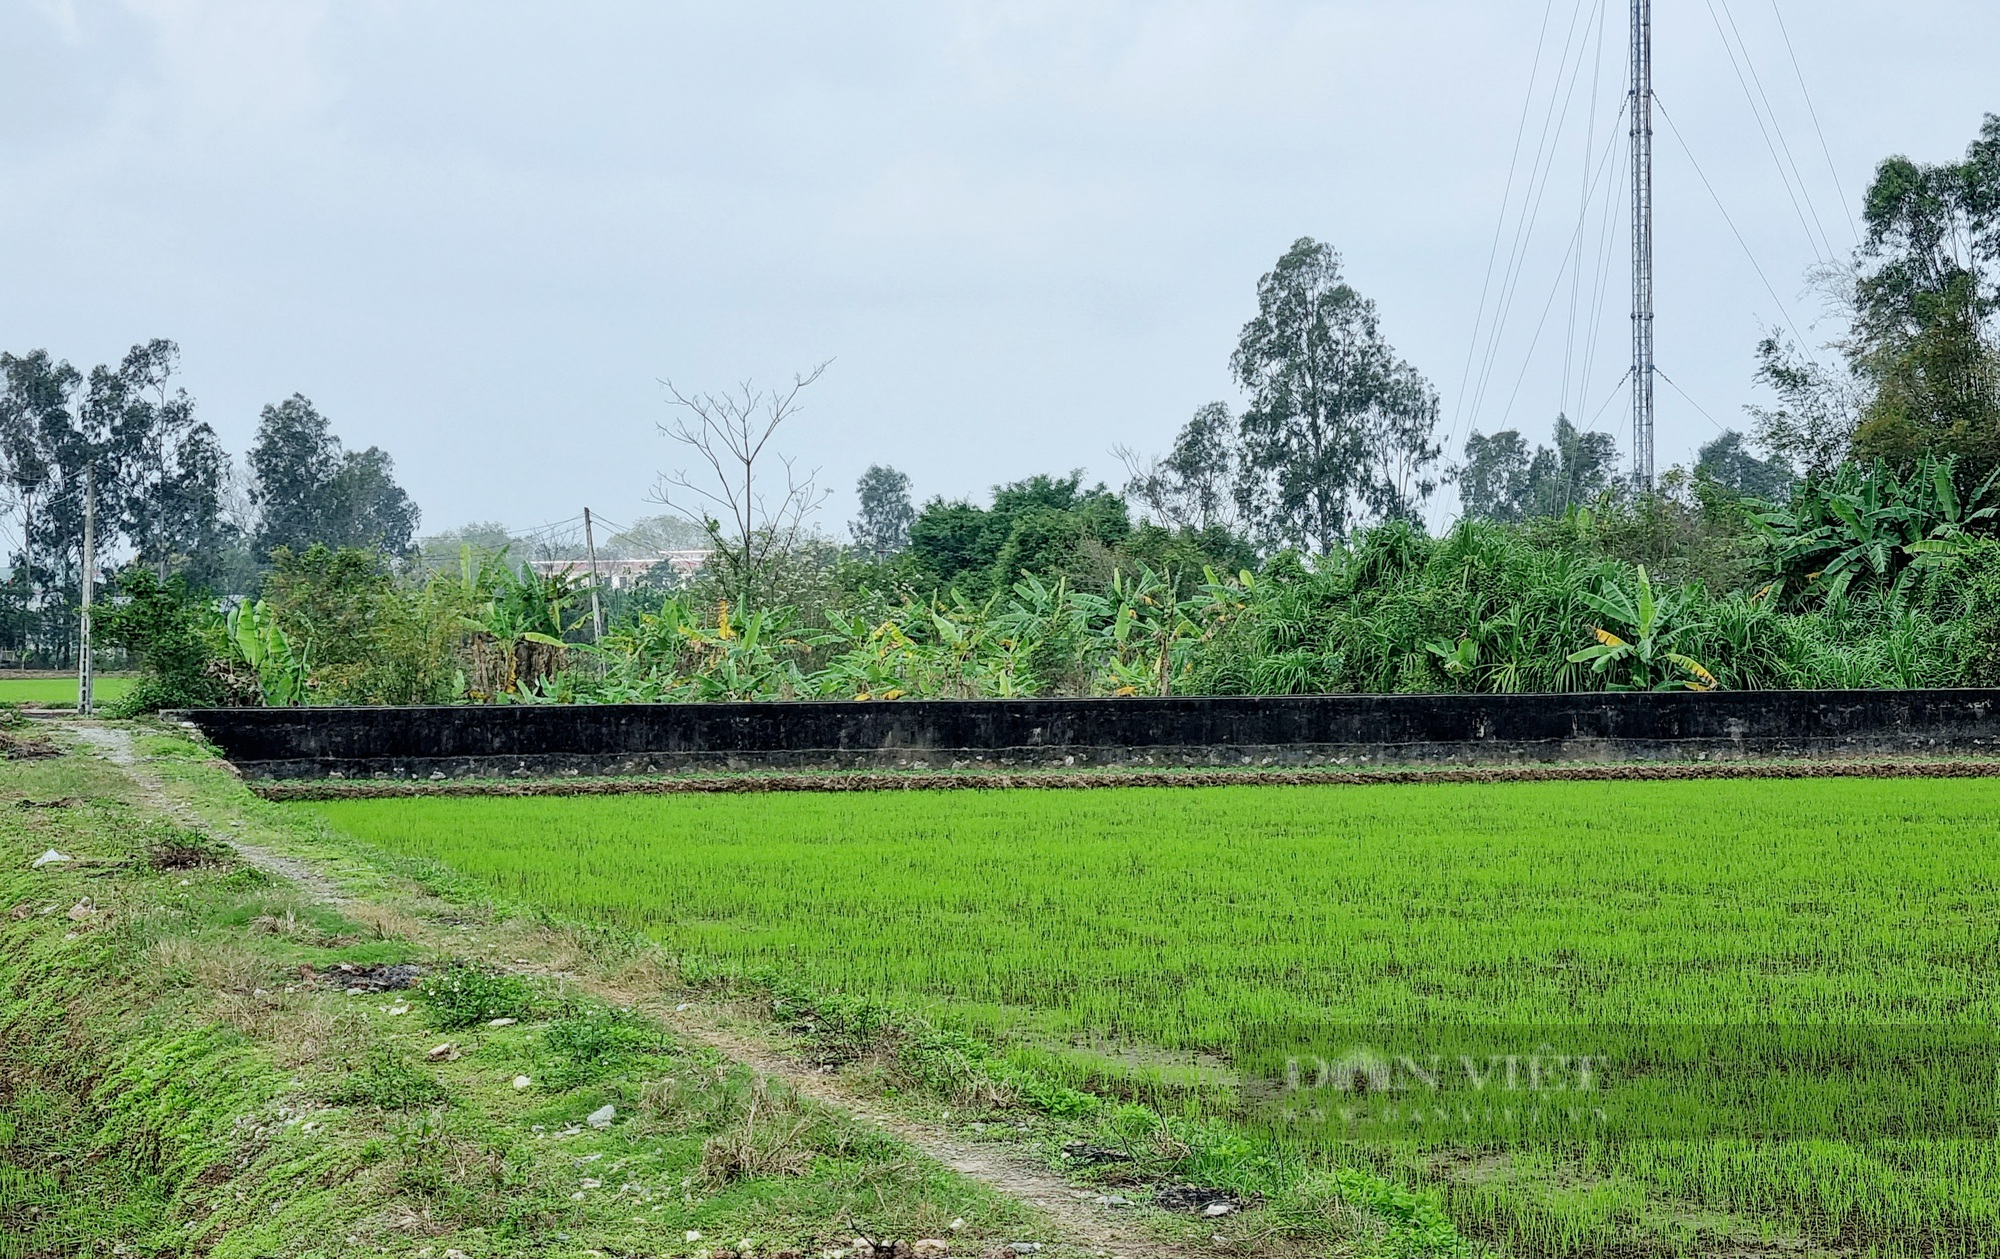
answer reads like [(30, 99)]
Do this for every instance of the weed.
[(384, 1080), (462, 996), (769, 1140)]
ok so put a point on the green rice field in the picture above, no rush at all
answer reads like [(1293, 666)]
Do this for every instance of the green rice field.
[(60, 691), (1175, 918)]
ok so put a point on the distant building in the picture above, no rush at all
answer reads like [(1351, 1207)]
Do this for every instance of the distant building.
[(621, 574)]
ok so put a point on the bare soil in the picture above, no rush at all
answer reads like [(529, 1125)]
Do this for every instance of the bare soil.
[(1084, 779)]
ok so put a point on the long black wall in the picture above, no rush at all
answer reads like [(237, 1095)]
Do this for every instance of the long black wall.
[(1209, 731)]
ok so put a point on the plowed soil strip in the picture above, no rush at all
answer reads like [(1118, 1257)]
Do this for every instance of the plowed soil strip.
[(1072, 780)]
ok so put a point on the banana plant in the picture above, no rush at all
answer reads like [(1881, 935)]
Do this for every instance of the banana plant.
[(1646, 661), (281, 671), (1458, 659), (1867, 524), (1143, 628)]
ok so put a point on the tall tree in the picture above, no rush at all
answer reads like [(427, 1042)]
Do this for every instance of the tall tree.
[(752, 501), (883, 527), (1726, 462), (173, 470), (1929, 285), (1194, 486), (1818, 407), (126, 432), (1580, 468), (1338, 428), (1500, 480), (307, 489), (1493, 480)]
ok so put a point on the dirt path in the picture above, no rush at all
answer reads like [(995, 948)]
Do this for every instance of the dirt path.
[(114, 744), (1075, 1216)]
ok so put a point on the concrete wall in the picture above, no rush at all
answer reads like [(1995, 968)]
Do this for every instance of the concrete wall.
[(1216, 731)]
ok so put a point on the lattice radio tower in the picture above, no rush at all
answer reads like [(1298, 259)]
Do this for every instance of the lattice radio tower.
[(1642, 244)]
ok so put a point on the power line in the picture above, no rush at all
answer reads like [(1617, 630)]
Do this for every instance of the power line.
[(1531, 205), (1583, 213), (1822, 249), (1838, 184), (1603, 287), (1617, 387), (1547, 306), (1747, 252), (1500, 226), (1691, 402)]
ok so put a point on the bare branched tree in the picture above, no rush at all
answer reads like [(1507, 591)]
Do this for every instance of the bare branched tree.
[(752, 500)]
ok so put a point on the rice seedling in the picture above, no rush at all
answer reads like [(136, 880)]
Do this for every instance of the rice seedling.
[(1185, 920)]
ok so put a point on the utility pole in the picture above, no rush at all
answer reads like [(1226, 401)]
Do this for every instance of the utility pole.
[(28, 590), (596, 608), (83, 662), (1642, 244)]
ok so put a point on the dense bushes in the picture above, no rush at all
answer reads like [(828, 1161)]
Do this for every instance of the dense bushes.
[(176, 638), (1864, 580)]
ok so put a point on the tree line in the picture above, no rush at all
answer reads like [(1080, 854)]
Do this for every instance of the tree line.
[(168, 497)]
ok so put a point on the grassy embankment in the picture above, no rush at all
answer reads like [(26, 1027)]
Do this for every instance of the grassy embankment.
[(185, 1068), (1171, 919)]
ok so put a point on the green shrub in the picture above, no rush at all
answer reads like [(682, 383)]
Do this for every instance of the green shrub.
[(174, 631)]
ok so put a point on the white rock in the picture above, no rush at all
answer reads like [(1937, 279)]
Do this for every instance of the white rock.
[(48, 858), (1214, 1209), (956, 1225), (602, 1116), (502, 1022), (522, 1081), (694, 1235)]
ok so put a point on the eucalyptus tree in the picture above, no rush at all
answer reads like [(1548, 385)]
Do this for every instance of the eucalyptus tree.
[(1194, 485), (1338, 429), (883, 527), (124, 433), (1928, 286), (1500, 480), (307, 489)]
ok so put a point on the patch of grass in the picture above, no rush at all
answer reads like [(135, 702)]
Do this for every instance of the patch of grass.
[(385, 1080), (171, 847), (589, 1041)]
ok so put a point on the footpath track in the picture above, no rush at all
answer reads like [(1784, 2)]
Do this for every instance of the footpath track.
[(1086, 1227)]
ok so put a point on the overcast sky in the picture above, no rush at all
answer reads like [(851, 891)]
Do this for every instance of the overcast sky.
[(478, 233)]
